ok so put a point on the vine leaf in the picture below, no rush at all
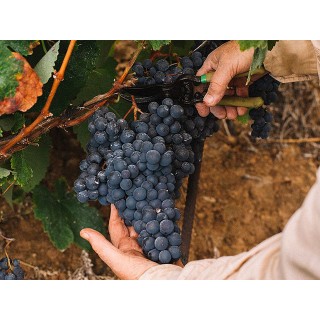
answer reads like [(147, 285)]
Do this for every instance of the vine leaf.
[(22, 170), (81, 63), (38, 159), (244, 119), (260, 51), (26, 93), (83, 134), (63, 216), (44, 67), (157, 44), (10, 70), (4, 173), (25, 47)]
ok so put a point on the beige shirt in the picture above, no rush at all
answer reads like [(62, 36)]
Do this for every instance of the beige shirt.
[(294, 253)]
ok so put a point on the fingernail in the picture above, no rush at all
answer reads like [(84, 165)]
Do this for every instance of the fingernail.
[(208, 99), (84, 235)]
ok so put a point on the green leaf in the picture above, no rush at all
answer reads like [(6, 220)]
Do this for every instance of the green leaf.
[(10, 68), (53, 216), (82, 62), (83, 134), (22, 171), (244, 119), (4, 173), (260, 51), (12, 122), (157, 44), (7, 192), (63, 216), (25, 47), (247, 44), (38, 159), (44, 67), (258, 58), (99, 81)]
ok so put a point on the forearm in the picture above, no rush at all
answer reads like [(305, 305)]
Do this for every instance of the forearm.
[(294, 60)]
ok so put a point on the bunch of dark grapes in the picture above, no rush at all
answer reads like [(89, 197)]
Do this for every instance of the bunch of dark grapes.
[(139, 167), (266, 88), (159, 72), (262, 122), (12, 271)]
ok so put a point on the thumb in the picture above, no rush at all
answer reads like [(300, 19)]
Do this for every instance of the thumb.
[(218, 86), (105, 249)]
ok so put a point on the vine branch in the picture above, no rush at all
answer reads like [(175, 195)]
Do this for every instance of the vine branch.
[(70, 117)]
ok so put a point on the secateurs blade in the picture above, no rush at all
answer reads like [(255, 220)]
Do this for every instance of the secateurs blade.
[(182, 91)]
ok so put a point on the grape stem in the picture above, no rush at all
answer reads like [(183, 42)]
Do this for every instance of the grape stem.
[(191, 199)]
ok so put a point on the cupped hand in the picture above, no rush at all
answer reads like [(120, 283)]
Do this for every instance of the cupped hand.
[(123, 254), (227, 61)]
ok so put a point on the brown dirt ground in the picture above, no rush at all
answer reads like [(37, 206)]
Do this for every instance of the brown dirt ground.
[(247, 192)]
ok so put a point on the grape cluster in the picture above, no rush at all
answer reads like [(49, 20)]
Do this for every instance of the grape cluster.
[(262, 122), (149, 73), (139, 167), (13, 273), (266, 88)]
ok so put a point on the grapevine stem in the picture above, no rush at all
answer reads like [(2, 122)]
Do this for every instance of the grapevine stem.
[(191, 199), (58, 77)]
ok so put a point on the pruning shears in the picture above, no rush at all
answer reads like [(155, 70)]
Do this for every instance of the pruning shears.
[(182, 90)]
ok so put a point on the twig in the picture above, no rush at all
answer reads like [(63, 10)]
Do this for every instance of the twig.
[(58, 77), (300, 140), (12, 183)]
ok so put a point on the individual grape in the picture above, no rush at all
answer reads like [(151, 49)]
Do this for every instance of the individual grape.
[(166, 227), (138, 69), (161, 243), (162, 65), (153, 255), (153, 227), (125, 184), (148, 244), (139, 194), (174, 239), (164, 256), (175, 252)]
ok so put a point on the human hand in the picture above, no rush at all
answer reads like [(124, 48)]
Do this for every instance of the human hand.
[(227, 61), (123, 254)]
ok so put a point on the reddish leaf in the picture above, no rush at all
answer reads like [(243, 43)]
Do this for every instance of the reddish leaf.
[(27, 92)]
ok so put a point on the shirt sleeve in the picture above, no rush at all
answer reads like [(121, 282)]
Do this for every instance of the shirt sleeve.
[(293, 254)]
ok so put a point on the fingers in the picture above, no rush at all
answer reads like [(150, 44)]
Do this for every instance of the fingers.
[(241, 111), (117, 228), (129, 265), (105, 250), (218, 86), (226, 112), (203, 110)]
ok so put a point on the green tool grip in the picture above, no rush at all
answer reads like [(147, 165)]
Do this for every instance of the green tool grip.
[(206, 78), (248, 102)]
